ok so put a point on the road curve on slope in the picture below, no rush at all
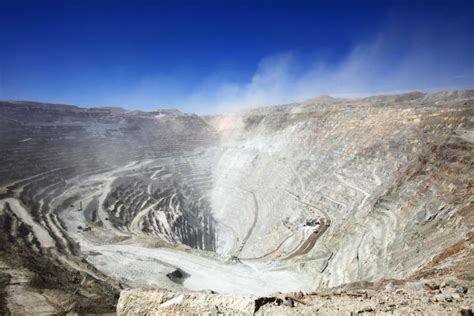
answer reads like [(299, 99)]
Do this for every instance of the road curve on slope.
[(305, 246), (252, 227)]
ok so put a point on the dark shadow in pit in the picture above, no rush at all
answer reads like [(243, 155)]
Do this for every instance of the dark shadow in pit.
[(259, 302), (178, 276)]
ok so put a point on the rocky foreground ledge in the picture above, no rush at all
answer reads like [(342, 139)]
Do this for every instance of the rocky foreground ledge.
[(433, 297)]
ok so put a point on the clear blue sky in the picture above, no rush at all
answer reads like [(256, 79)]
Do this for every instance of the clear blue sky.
[(203, 56)]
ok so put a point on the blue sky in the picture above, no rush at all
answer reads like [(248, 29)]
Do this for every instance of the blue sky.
[(207, 56)]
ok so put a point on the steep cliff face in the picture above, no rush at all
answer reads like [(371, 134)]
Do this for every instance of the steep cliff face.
[(300, 196), (388, 179)]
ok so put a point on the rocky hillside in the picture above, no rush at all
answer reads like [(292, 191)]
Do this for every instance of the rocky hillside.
[(300, 197)]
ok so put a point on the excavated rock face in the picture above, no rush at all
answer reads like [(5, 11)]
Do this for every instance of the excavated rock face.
[(55, 148), (300, 196)]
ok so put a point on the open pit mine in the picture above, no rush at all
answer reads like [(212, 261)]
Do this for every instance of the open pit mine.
[(327, 206)]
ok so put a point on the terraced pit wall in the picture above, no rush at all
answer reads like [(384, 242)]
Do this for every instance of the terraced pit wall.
[(322, 193)]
